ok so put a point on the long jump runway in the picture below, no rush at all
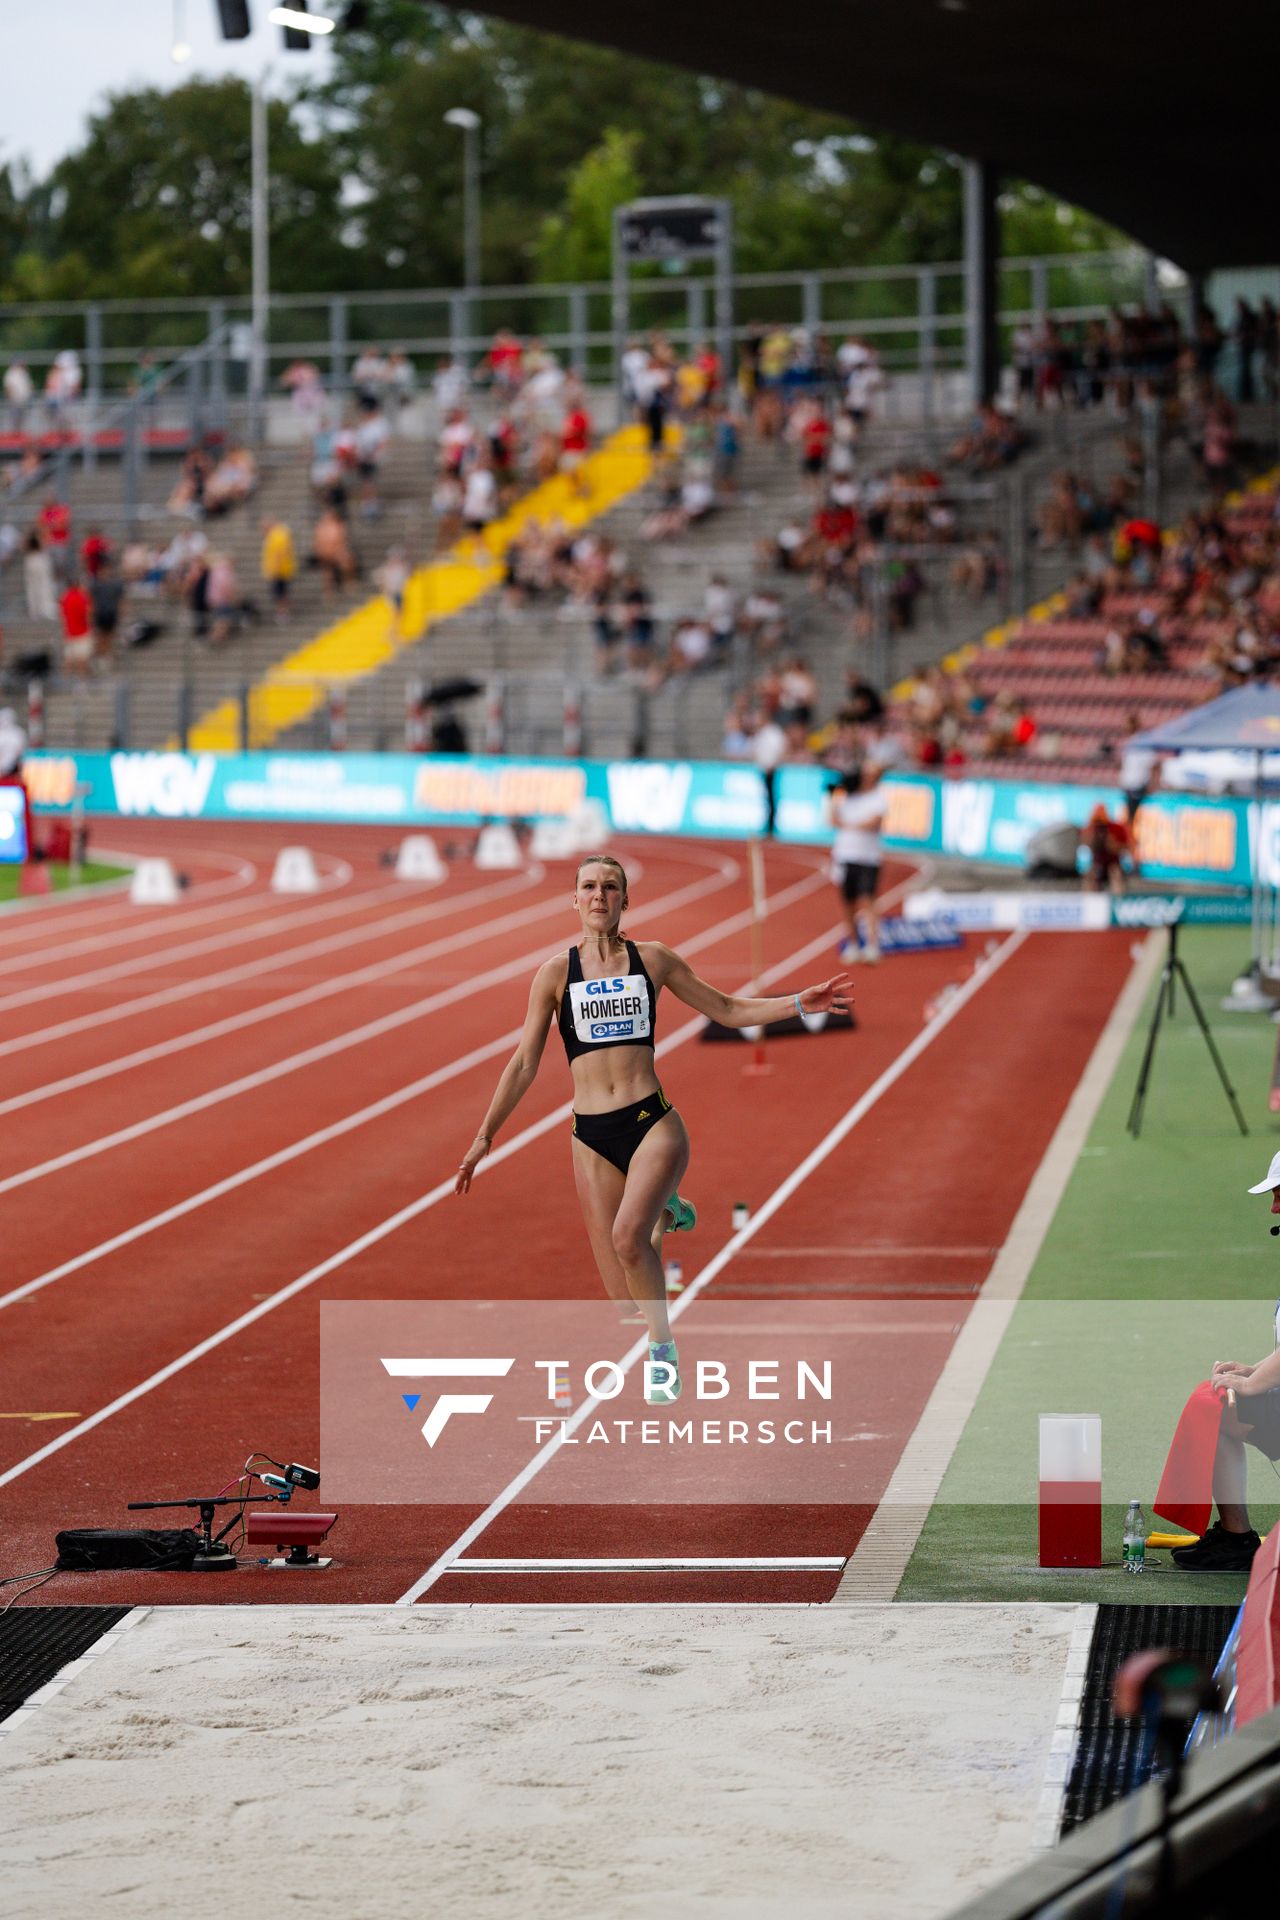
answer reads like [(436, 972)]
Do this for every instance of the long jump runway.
[(220, 1114)]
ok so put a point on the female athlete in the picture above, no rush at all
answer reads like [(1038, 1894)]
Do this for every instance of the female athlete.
[(630, 1148)]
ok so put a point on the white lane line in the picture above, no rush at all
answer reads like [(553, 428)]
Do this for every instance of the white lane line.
[(349, 1123), (778, 1198), (148, 924), (94, 901), (1066, 1730), (257, 929), (274, 962), (677, 1563), (383, 1230), (343, 1042), (880, 1559), (249, 1016)]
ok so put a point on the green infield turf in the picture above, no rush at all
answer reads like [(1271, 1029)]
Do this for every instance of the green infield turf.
[(1157, 1263), (92, 873)]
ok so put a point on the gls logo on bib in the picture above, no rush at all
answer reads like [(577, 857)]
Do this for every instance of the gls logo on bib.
[(610, 1009)]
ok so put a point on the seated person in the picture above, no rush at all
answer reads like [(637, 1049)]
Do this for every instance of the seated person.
[(1250, 1417)]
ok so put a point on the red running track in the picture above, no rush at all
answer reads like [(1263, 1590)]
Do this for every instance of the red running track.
[(167, 1168)]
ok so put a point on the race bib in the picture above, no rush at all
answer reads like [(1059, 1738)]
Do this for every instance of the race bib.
[(610, 1009)]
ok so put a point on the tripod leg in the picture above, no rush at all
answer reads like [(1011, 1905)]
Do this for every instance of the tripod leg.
[(1144, 1072), (1203, 1024)]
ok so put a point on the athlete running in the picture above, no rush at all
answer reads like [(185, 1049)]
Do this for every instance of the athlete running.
[(630, 1148)]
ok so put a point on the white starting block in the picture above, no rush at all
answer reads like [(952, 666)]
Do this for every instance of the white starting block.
[(418, 858), (497, 847), (590, 825), (295, 872), (554, 840), (154, 884)]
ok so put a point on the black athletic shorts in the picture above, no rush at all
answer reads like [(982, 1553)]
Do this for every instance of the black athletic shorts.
[(858, 882), (616, 1135)]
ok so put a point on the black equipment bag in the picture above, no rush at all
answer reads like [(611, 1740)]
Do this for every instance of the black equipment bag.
[(164, 1549)]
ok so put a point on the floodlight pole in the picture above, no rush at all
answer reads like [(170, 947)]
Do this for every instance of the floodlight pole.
[(981, 267), (260, 217)]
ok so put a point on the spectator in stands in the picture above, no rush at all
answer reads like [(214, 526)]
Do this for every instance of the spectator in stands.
[(391, 580), (19, 392), (231, 482), (720, 607), (106, 595), (450, 384), (1106, 844), (638, 633), (369, 377), (222, 598), (95, 552), (278, 563), (54, 525), (856, 810), (505, 361), (188, 495), (763, 621), (371, 436), (38, 580), (332, 551), (301, 380), (479, 496), (863, 380), (77, 636), (575, 439)]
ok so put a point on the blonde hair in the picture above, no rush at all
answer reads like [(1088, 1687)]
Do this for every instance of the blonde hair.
[(603, 860)]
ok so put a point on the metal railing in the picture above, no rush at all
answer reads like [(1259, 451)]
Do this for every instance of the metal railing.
[(915, 315)]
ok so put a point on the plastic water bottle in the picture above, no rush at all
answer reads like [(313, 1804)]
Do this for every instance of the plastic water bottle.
[(741, 1214), (1135, 1539)]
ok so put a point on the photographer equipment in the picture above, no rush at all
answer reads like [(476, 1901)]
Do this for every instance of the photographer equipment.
[(1174, 969), (105, 1549)]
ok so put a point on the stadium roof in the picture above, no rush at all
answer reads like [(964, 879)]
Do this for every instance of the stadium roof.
[(1159, 119)]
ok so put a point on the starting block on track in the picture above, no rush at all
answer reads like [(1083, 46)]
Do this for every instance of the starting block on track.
[(295, 871), (154, 884), (497, 848), (419, 859)]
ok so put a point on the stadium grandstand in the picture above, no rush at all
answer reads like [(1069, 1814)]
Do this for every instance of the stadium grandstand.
[(819, 664)]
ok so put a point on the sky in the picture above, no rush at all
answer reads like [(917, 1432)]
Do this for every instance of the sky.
[(63, 58)]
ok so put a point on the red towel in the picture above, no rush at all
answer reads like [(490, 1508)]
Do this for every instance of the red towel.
[(1186, 1485)]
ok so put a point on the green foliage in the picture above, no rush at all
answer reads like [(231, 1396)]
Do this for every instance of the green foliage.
[(577, 244), (367, 178)]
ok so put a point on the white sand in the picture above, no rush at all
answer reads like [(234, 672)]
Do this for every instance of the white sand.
[(512, 1763)]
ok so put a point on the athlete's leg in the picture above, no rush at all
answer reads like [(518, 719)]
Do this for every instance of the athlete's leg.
[(871, 923), (600, 1188), (1230, 1474), (654, 1174)]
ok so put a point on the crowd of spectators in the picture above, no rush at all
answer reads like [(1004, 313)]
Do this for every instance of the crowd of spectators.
[(1092, 363)]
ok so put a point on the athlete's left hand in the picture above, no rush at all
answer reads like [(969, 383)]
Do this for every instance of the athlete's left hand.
[(833, 996)]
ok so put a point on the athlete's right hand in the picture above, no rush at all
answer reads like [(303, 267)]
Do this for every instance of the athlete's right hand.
[(474, 1155)]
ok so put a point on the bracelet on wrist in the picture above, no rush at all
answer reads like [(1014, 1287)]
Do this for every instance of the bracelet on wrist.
[(799, 1005)]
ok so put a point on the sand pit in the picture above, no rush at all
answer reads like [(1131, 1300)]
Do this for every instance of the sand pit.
[(513, 1763)]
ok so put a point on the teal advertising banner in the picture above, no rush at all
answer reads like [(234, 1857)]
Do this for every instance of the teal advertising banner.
[(1180, 837)]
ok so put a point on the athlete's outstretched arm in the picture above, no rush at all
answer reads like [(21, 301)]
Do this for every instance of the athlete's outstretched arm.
[(668, 969), (519, 1073)]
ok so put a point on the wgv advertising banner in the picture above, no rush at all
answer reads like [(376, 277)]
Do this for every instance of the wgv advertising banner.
[(1180, 837)]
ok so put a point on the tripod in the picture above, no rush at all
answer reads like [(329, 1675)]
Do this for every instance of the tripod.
[(1174, 969)]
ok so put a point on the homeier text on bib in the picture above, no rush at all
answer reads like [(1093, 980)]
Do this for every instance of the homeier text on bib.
[(610, 1009)]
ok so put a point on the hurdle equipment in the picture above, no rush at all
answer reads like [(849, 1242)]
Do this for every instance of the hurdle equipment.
[(295, 871), (297, 1531), (590, 824), (419, 859), (497, 847), (154, 884), (554, 840)]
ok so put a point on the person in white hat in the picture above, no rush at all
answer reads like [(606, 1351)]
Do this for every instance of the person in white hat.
[(1250, 1416)]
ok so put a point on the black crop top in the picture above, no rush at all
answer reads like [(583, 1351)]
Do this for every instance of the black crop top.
[(617, 1012)]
